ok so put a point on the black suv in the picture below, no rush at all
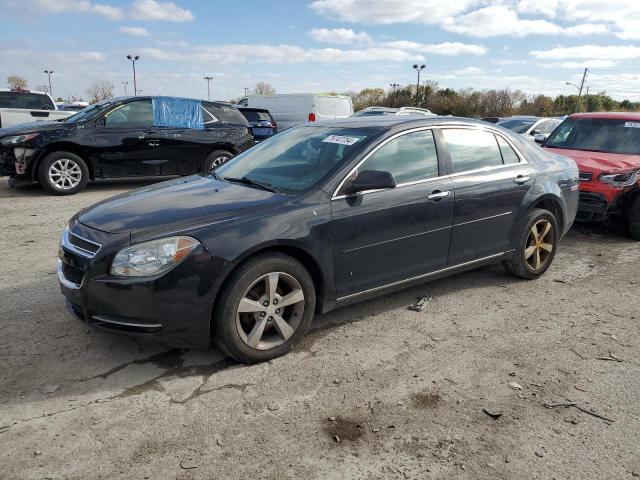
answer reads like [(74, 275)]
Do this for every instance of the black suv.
[(123, 137), (262, 123)]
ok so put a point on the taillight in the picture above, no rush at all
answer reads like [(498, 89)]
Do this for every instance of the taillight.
[(274, 125), (312, 117)]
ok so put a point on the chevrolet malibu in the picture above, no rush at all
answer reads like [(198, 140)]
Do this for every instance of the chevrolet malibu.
[(315, 218)]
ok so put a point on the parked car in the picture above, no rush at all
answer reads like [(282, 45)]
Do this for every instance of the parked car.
[(25, 106), (372, 111), (606, 147), (492, 119), (123, 137), (262, 123), (72, 106), (532, 128), (298, 108), (316, 217)]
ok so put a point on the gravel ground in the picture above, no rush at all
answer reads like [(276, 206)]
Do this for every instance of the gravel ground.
[(374, 391)]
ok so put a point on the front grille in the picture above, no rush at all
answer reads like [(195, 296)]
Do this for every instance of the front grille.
[(73, 274), (84, 245), (586, 176)]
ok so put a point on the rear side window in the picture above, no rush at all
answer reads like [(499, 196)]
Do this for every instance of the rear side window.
[(31, 101), (222, 113), (509, 156), (471, 149), (254, 116), (408, 158)]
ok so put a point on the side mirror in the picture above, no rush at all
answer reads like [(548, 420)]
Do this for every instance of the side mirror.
[(371, 180), (534, 132), (540, 137)]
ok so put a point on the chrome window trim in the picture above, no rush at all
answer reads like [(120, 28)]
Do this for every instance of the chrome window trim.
[(425, 275), (523, 160)]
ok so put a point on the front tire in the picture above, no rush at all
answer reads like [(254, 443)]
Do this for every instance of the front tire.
[(63, 173), (633, 222), (265, 308), (215, 159), (536, 245)]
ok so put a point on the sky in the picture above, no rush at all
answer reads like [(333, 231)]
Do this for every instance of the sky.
[(322, 45)]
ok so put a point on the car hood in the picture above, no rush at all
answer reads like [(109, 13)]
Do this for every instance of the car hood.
[(175, 204), (600, 162), (34, 127)]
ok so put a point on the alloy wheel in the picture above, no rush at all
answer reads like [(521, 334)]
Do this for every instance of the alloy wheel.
[(219, 161), (65, 174), (270, 311), (540, 243)]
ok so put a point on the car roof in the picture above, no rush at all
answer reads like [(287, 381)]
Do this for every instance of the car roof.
[(389, 121), (609, 115), (22, 90)]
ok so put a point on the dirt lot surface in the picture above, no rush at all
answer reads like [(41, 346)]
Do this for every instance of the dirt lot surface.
[(375, 391)]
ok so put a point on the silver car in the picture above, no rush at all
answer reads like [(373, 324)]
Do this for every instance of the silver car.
[(533, 128)]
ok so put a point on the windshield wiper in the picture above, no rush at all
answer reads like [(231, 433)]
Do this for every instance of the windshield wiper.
[(250, 181)]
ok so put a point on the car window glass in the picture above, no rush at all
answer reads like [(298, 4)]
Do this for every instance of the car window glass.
[(222, 113), (509, 156), (27, 100), (139, 112), (408, 158), (472, 149)]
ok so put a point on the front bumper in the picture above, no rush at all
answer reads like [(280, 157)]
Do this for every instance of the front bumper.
[(592, 207), (15, 161), (174, 309)]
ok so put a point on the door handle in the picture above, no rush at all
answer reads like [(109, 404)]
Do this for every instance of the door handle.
[(521, 179), (154, 143), (437, 195)]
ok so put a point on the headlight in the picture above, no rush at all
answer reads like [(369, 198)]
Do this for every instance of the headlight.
[(620, 179), (151, 258), (16, 139)]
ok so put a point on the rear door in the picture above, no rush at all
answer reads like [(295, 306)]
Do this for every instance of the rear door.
[(491, 182), (387, 236)]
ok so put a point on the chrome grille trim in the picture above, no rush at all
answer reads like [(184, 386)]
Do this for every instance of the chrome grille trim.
[(81, 246)]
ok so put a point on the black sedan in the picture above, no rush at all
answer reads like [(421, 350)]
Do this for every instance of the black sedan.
[(123, 137), (314, 218)]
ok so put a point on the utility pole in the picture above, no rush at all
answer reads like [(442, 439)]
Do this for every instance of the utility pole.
[(419, 68), (208, 78), (587, 99), (584, 77)]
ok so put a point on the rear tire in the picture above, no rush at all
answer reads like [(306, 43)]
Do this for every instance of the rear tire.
[(215, 159), (536, 245), (63, 173), (265, 308), (633, 222)]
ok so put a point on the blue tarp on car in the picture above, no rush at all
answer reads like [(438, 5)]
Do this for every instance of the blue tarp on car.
[(177, 112)]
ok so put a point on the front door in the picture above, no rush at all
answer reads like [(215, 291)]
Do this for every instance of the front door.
[(123, 144), (387, 236), (491, 183)]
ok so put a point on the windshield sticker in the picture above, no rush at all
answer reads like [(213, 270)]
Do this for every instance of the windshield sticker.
[(632, 124), (339, 139)]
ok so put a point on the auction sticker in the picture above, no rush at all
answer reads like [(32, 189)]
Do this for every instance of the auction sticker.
[(341, 140), (632, 124)]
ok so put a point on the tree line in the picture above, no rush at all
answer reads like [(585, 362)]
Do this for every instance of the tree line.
[(469, 102)]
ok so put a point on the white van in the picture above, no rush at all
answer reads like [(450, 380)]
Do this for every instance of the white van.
[(292, 109)]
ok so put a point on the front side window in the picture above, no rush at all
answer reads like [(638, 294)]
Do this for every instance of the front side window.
[(296, 159), (409, 158), (472, 149), (139, 112), (609, 135)]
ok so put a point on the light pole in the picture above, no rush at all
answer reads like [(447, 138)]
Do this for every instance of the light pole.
[(419, 68), (393, 97), (134, 59), (208, 79), (49, 73), (246, 91), (124, 84)]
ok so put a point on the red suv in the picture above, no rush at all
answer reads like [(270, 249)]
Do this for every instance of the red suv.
[(606, 147)]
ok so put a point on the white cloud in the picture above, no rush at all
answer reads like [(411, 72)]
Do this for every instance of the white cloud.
[(499, 20), (582, 64), (586, 29), (468, 71), (510, 62), (339, 35), (445, 48), (593, 52), (135, 31), (152, 10), (77, 6)]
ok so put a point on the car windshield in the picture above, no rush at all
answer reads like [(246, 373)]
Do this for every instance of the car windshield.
[(517, 125), (296, 159), (597, 135), (89, 112)]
